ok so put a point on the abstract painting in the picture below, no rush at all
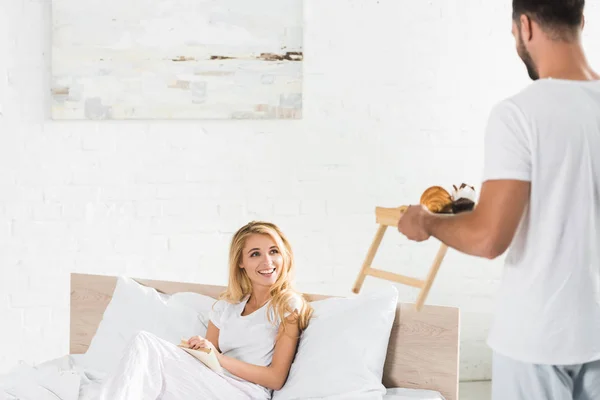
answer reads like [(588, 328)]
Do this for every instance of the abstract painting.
[(177, 59)]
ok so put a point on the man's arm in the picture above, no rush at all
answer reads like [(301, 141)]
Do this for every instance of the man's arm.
[(488, 230)]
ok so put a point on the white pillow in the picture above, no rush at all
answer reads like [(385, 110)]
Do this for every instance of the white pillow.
[(343, 350), (134, 308)]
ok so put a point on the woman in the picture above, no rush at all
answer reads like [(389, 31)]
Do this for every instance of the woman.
[(252, 344)]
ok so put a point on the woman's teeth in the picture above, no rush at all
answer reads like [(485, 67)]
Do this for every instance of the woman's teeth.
[(267, 271)]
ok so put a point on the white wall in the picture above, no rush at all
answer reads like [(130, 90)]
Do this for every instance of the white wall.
[(396, 98)]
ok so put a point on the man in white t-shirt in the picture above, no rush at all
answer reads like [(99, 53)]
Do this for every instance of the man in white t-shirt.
[(540, 200)]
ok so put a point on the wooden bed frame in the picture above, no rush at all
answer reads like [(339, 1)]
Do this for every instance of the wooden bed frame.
[(423, 351)]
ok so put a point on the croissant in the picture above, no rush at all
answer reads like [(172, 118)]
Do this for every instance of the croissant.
[(437, 200)]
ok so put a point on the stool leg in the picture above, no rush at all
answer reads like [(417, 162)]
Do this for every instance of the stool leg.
[(369, 259), (431, 276)]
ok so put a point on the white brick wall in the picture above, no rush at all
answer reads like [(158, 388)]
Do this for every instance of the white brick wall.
[(396, 98)]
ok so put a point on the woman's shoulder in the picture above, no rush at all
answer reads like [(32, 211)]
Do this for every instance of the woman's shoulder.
[(296, 301), (220, 304), (225, 304), (221, 311)]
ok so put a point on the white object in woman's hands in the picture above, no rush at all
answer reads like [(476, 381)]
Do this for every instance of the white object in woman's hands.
[(203, 350)]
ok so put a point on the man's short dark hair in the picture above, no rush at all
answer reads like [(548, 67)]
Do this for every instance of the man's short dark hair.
[(557, 16)]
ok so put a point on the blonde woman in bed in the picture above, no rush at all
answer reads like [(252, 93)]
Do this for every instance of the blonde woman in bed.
[(254, 348)]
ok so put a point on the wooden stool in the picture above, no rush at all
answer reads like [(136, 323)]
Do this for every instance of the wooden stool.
[(387, 217)]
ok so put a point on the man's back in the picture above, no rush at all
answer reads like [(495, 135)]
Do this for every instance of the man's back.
[(549, 134)]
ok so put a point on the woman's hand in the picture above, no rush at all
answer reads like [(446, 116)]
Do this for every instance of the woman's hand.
[(198, 342)]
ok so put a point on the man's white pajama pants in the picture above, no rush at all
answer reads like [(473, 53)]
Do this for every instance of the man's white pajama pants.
[(515, 380)]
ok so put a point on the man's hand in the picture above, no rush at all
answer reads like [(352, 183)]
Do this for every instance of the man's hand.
[(487, 231), (412, 223)]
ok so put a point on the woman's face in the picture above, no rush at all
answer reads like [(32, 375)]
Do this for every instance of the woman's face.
[(262, 260)]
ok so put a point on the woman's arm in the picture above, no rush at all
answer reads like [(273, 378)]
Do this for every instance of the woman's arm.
[(275, 375), (212, 335)]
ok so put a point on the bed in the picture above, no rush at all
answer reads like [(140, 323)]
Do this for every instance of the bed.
[(422, 353)]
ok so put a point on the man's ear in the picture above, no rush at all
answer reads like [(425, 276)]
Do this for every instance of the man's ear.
[(525, 27), (582, 22)]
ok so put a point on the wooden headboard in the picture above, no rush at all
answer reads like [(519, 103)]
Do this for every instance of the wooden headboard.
[(423, 351)]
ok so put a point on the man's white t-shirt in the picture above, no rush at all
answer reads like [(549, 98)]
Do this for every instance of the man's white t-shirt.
[(548, 307), (249, 338)]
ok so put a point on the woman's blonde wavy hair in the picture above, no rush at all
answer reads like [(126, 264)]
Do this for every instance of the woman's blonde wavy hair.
[(282, 291)]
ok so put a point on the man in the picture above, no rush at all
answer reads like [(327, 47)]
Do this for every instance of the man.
[(540, 196)]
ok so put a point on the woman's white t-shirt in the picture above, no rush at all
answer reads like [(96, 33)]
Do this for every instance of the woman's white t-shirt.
[(249, 338)]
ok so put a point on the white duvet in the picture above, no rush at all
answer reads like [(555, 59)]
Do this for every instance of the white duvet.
[(58, 379), (67, 378)]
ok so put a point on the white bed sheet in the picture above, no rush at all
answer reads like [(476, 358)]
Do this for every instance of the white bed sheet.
[(62, 378), (412, 394), (67, 378)]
